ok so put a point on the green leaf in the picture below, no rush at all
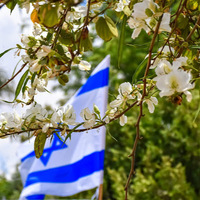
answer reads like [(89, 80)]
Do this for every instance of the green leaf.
[(39, 144), (49, 37), (1, 54), (33, 77), (24, 86), (63, 79), (111, 26), (182, 21), (11, 5), (86, 44), (48, 15), (70, 133), (121, 41), (66, 38), (20, 84), (138, 70), (106, 29)]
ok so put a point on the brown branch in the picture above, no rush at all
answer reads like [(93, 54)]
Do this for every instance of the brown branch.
[(69, 130), (13, 76), (179, 11), (190, 35), (3, 4), (59, 28), (137, 137)]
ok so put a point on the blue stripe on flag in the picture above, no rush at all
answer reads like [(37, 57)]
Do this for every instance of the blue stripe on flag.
[(69, 173), (37, 196), (98, 80), (28, 156)]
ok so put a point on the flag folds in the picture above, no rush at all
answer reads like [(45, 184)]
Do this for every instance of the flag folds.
[(77, 165)]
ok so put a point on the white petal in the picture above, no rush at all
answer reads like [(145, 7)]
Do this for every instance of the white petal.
[(164, 26), (116, 103), (154, 100), (150, 105), (188, 96), (84, 65), (123, 120), (45, 128), (136, 32)]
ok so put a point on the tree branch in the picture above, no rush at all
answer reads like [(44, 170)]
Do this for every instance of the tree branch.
[(137, 137), (13, 76), (69, 130)]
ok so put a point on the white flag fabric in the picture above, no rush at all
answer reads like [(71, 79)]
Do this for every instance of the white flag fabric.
[(77, 165)]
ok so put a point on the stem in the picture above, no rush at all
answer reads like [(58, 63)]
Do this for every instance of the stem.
[(14, 76), (190, 35), (3, 4), (59, 28), (69, 130), (137, 137)]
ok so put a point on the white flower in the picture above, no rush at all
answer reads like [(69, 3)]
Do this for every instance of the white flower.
[(175, 81), (80, 11), (88, 117), (40, 84), (121, 5), (140, 9), (111, 113), (56, 118), (45, 128), (125, 89), (107, 120), (44, 51), (164, 67), (164, 25), (25, 40), (137, 25), (76, 13), (37, 29), (35, 66), (84, 65), (150, 103), (2, 120), (12, 120), (123, 120), (117, 102), (165, 53), (31, 92), (35, 111), (181, 61), (188, 96), (26, 58), (69, 116)]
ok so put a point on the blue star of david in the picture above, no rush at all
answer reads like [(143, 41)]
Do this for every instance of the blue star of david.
[(57, 144)]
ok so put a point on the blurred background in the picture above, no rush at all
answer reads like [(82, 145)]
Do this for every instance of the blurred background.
[(168, 156)]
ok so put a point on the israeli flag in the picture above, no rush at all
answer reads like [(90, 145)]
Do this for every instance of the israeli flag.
[(77, 165)]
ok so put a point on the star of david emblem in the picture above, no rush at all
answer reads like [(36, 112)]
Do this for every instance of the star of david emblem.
[(57, 144)]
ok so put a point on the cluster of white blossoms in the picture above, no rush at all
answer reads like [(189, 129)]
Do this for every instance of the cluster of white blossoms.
[(172, 79), (127, 92), (145, 16), (38, 118), (36, 56)]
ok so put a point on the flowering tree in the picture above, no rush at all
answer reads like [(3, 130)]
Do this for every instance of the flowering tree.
[(62, 33)]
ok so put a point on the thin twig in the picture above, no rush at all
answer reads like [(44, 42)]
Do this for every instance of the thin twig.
[(190, 35), (3, 4), (13, 76), (137, 137), (69, 130), (59, 28)]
